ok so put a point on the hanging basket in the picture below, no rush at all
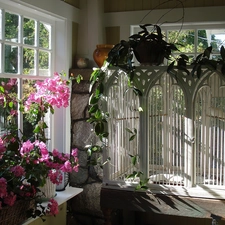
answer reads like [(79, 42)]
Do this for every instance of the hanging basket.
[(16, 214), (48, 190)]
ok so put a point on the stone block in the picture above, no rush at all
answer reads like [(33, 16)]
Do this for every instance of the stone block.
[(80, 177), (82, 134), (79, 106)]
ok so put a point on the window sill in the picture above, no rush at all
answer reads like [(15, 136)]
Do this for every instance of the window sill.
[(200, 191), (61, 197)]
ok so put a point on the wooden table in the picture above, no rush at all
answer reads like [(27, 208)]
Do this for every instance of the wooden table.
[(145, 203)]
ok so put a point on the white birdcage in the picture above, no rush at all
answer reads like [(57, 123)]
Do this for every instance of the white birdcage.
[(180, 132)]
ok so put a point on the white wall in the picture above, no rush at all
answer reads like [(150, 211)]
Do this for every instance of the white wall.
[(191, 15)]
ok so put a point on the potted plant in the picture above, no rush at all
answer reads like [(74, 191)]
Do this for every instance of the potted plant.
[(26, 163), (151, 47)]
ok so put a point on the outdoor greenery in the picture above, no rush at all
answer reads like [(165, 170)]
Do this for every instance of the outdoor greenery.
[(29, 37)]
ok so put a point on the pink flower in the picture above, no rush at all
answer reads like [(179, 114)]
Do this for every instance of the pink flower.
[(55, 176), (76, 168), (3, 187), (74, 152), (2, 147), (18, 171), (26, 147), (67, 167), (53, 91), (13, 112), (55, 153), (43, 150), (52, 207), (10, 199)]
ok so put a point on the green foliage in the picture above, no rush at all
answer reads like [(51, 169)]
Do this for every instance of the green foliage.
[(133, 133), (12, 32), (143, 185), (203, 59)]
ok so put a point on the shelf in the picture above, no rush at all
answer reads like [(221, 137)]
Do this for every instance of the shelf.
[(61, 197)]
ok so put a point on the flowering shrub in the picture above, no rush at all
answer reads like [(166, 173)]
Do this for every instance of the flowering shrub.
[(26, 162)]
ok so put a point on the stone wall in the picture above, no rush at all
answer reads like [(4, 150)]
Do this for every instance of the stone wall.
[(84, 208)]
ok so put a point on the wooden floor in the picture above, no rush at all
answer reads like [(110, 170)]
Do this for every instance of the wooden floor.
[(143, 218)]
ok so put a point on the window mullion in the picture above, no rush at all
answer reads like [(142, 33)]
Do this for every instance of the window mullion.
[(3, 45), (20, 50), (36, 54), (20, 114)]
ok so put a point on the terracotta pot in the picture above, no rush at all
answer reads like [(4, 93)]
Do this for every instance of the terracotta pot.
[(100, 54)]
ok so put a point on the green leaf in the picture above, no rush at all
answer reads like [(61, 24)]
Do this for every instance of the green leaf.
[(170, 67), (199, 71), (98, 114), (94, 75), (137, 91), (208, 51), (223, 69), (105, 134), (128, 130), (93, 99), (96, 148), (222, 52), (37, 129), (89, 152), (99, 128), (78, 78), (2, 90), (101, 88), (132, 137), (10, 104), (133, 175), (134, 160), (93, 109)]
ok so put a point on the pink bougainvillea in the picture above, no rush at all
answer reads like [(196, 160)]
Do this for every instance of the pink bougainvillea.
[(52, 208), (26, 163)]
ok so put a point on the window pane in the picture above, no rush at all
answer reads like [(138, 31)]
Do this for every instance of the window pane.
[(8, 113), (0, 58), (0, 24), (44, 40), (43, 63), (183, 40), (214, 38), (32, 118), (11, 27), (28, 61), (29, 31), (11, 59)]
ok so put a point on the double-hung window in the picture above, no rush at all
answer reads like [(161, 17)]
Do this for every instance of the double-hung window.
[(27, 46)]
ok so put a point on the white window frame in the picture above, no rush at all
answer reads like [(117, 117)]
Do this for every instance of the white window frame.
[(134, 29), (60, 128)]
